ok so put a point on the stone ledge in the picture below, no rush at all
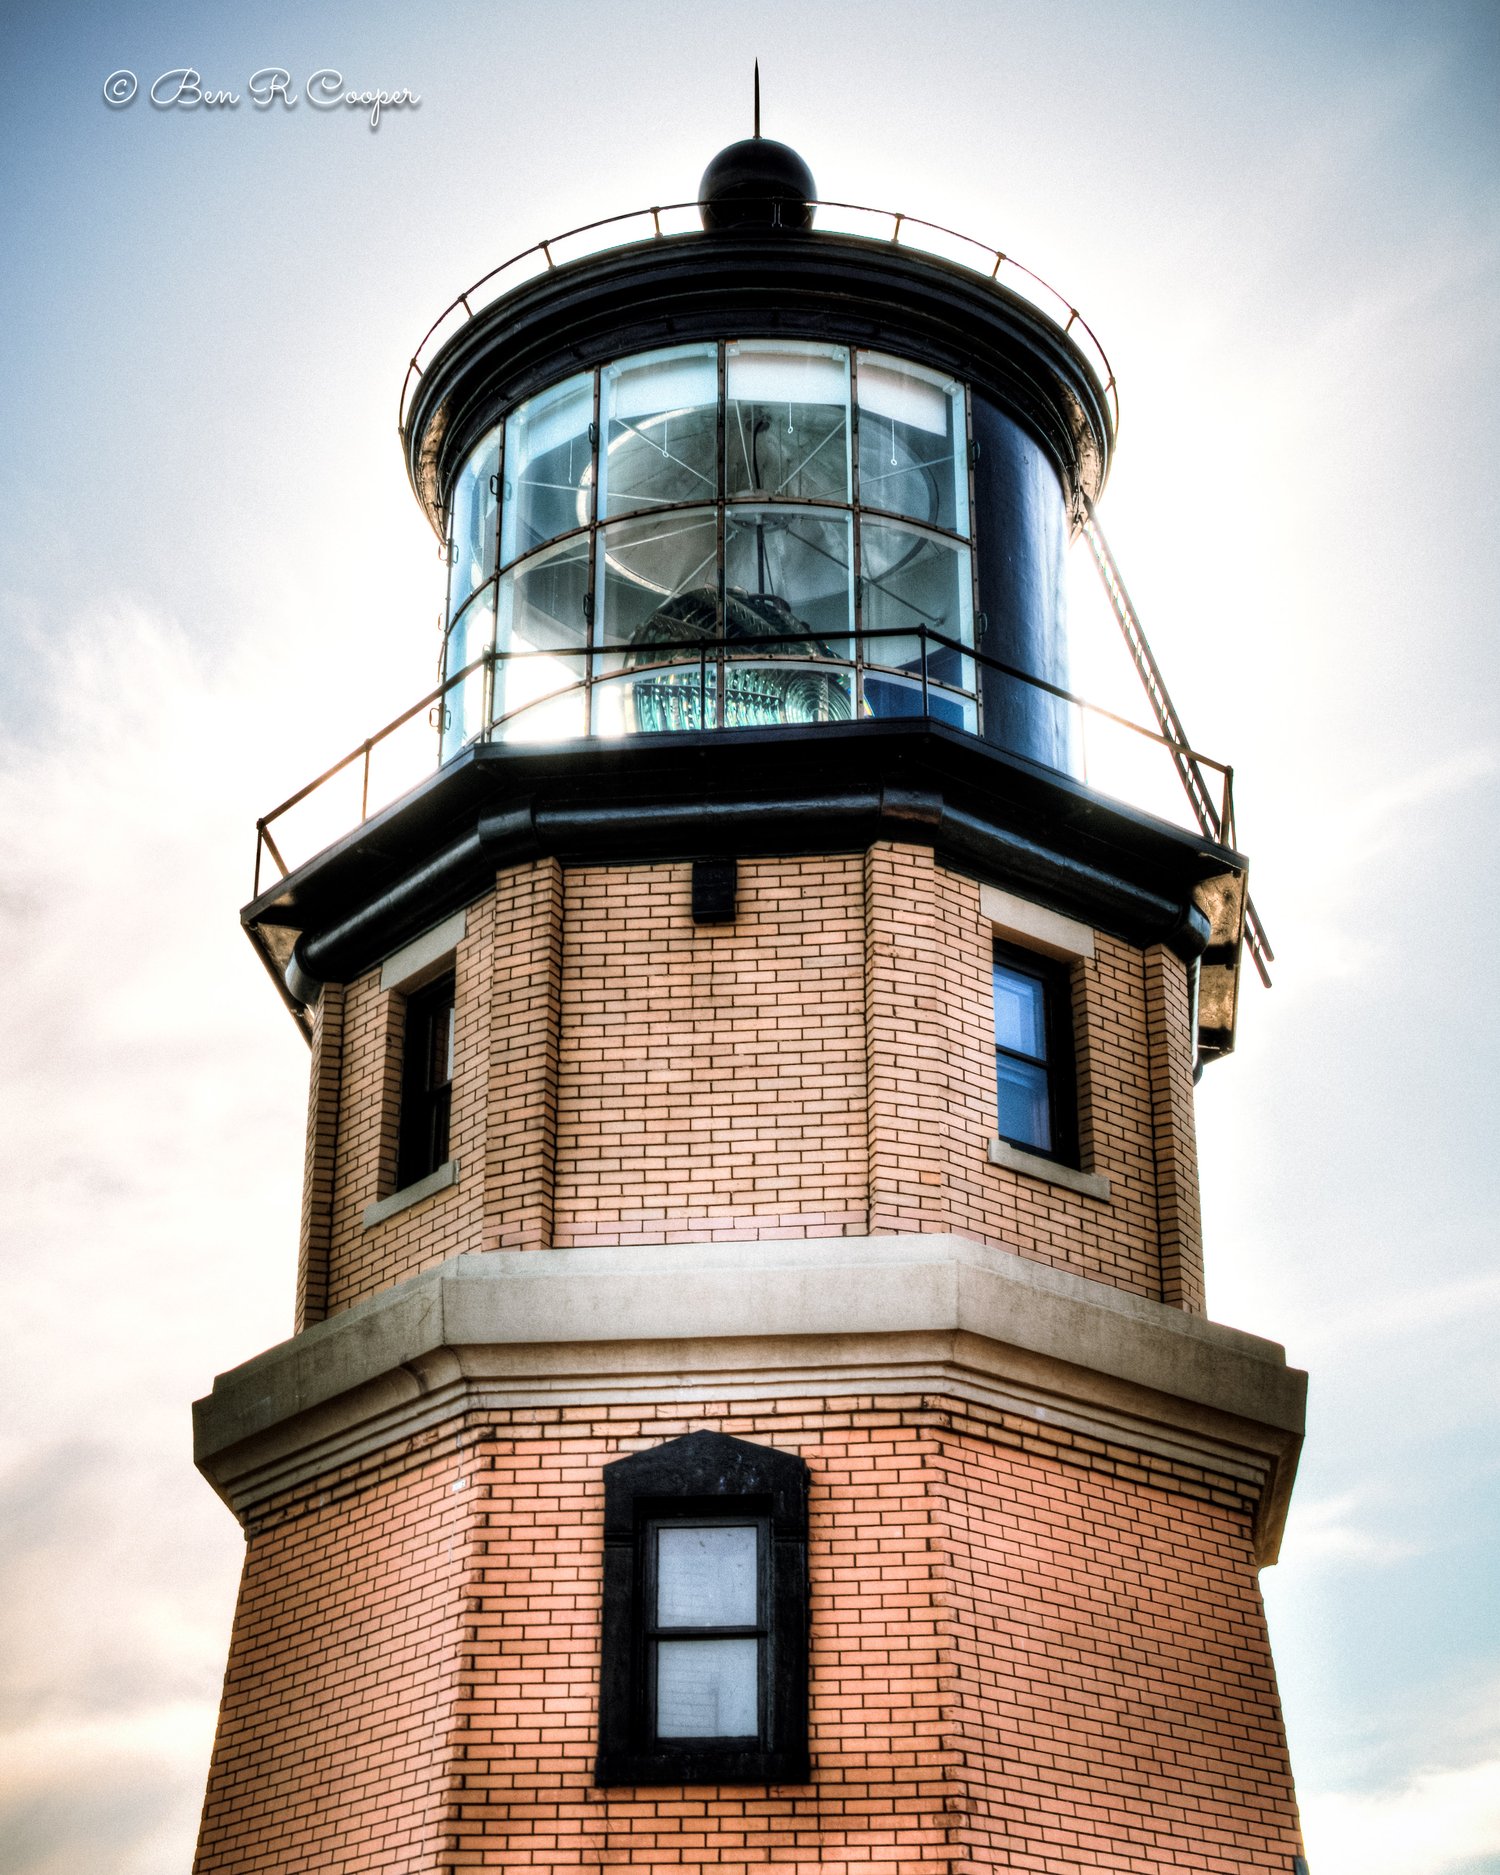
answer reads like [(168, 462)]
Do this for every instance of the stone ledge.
[(757, 1320), (403, 1200), (1049, 1171)]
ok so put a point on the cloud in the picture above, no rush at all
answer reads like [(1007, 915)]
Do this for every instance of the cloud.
[(1329, 1531), (1444, 1822), (145, 1070)]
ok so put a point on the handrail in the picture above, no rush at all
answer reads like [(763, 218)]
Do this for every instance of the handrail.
[(1067, 320), (735, 651)]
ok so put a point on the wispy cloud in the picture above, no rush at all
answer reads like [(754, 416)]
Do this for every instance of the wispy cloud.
[(1333, 1530)]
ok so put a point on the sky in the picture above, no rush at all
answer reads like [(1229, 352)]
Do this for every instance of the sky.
[(1284, 223)]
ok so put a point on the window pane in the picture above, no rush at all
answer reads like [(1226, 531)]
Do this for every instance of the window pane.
[(658, 586), (472, 532), (1025, 1114), (661, 418), (903, 696), (912, 581), (786, 420), (548, 466), (658, 701), (788, 582), (706, 1577), (707, 1689), (1020, 1013), (913, 456), (469, 637), (542, 632)]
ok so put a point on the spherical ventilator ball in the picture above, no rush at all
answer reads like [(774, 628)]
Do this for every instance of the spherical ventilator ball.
[(758, 183)]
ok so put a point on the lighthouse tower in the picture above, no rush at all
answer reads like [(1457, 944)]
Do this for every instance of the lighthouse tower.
[(751, 1402)]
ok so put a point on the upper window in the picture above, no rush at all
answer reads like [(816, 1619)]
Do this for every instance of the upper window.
[(705, 1615), (675, 542), (1034, 1054), (426, 1082)]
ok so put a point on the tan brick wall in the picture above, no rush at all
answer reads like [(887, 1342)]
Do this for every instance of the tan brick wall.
[(1029, 1651), (333, 1749), (1169, 1025), (711, 1076), (321, 1159), (822, 1066)]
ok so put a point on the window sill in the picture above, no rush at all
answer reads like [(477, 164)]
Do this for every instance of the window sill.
[(1033, 1165), (403, 1200)]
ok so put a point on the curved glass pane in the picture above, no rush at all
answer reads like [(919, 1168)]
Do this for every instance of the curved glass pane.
[(469, 637), (659, 701), (548, 466), (658, 585), (885, 695), (915, 585), (660, 415), (913, 452), (787, 582), (471, 533), (786, 420), (542, 638)]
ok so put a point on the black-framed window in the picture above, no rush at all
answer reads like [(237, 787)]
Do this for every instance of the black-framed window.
[(426, 1081), (1034, 1077), (704, 1639)]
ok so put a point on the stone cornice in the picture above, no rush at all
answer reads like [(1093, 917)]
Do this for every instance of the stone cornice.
[(922, 1315)]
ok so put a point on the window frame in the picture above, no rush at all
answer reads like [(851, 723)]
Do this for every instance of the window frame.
[(1060, 1062), (423, 1105), (704, 1478)]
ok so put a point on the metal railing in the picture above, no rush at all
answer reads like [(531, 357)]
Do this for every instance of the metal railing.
[(925, 237), (713, 653)]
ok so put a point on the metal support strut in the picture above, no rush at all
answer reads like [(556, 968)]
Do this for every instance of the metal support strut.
[(1216, 824)]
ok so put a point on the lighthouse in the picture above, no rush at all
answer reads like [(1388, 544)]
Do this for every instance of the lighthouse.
[(750, 1400)]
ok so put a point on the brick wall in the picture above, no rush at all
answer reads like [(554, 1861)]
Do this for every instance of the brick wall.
[(1029, 1651), (333, 1745), (822, 1066)]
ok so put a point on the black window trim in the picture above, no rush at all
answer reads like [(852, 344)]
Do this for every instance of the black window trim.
[(425, 1114), (703, 1478), (1060, 1065)]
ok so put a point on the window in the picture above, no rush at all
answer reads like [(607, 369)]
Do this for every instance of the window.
[(705, 1615), (426, 1082), (1034, 1054)]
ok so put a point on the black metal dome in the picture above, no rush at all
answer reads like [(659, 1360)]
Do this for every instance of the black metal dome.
[(757, 183)]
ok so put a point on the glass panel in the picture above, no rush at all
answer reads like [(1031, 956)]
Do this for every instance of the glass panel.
[(661, 423), (1024, 1112), (706, 1577), (542, 631), (787, 581), (658, 701), (786, 420), (902, 696), (913, 452), (1020, 1013), (914, 580), (707, 1689), (548, 466), (658, 586), (758, 696), (554, 719), (470, 636), (471, 535)]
